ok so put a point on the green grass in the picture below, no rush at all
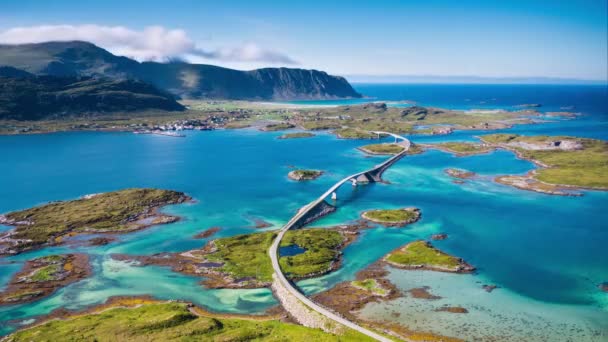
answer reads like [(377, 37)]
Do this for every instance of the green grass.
[(392, 215), (322, 248), (278, 126), (45, 273), (383, 148), (297, 135), (109, 211), (247, 255), (370, 285), (465, 148), (307, 174), (171, 322), (587, 167), (422, 253), (354, 133)]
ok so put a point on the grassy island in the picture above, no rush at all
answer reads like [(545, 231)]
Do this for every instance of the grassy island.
[(422, 255), (564, 161), (393, 217), (354, 133), (370, 285), (172, 321), (462, 148), (42, 276), (116, 212), (296, 135), (242, 261), (382, 148), (300, 175), (278, 127)]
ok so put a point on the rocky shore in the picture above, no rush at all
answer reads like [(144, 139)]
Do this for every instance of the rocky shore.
[(43, 276)]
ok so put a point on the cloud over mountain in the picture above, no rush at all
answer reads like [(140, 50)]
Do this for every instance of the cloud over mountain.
[(153, 43)]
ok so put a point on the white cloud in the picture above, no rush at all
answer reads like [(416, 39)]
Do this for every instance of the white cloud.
[(153, 43)]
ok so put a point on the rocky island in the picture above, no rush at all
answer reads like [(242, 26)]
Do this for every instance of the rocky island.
[(393, 217), (42, 276), (462, 148), (296, 135), (111, 212), (459, 173), (382, 149), (242, 261), (566, 163), (302, 175), (421, 255)]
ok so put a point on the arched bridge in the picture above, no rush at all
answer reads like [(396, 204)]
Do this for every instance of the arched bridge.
[(319, 208)]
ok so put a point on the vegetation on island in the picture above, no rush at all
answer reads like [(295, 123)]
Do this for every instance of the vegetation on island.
[(281, 126), (242, 261), (393, 217), (116, 212), (422, 255), (462, 148), (300, 175), (296, 135), (382, 148), (370, 285), (354, 133), (172, 321), (42, 276), (566, 161)]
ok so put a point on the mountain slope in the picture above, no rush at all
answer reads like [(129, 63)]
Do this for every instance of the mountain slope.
[(188, 80), (46, 97)]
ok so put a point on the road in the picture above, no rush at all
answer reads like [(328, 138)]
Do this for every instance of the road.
[(273, 251)]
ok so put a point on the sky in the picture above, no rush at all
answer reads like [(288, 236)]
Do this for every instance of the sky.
[(515, 38)]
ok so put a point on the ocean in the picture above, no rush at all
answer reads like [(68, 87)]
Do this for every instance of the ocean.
[(546, 253)]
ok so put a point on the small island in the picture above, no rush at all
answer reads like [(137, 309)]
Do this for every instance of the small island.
[(382, 149), (42, 276), (421, 255), (459, 173), (566, 163), (462, 149), (393, 217), (242, 261), (147, 319), (112, 212), (277, 127), (296, 135), (354, 133), (302, 175)]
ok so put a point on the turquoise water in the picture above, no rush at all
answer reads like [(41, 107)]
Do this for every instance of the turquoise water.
[(546, 253)]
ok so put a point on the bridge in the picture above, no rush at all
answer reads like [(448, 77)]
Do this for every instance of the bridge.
[(318, 208)]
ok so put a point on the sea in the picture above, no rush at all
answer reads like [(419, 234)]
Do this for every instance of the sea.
[(546, 254)]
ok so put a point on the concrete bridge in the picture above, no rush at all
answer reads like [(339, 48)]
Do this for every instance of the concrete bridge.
[(318, 208)]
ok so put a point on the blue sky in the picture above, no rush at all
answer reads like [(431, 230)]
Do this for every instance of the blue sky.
[(479, 38)]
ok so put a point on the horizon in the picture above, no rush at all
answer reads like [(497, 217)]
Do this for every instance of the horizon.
[(525, 39)]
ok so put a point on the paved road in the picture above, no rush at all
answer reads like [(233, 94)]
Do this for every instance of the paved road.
[(273, 251)]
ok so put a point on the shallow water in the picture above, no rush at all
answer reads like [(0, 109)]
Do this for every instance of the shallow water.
[(546, 253)]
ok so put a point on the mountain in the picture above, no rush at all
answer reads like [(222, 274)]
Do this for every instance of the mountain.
[(77, 58), (24, 96)]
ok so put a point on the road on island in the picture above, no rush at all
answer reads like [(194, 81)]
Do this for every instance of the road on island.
[(273, 251)]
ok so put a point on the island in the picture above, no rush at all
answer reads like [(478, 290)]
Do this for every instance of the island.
[(421, 255), (281, 126), (393, 217), (111, 212), (462, 148), (42, 276), (134, 319), (354, 133), (302, 175), (382, 149), (459, 173), (296, 135), (242, 261), (565, 163)]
